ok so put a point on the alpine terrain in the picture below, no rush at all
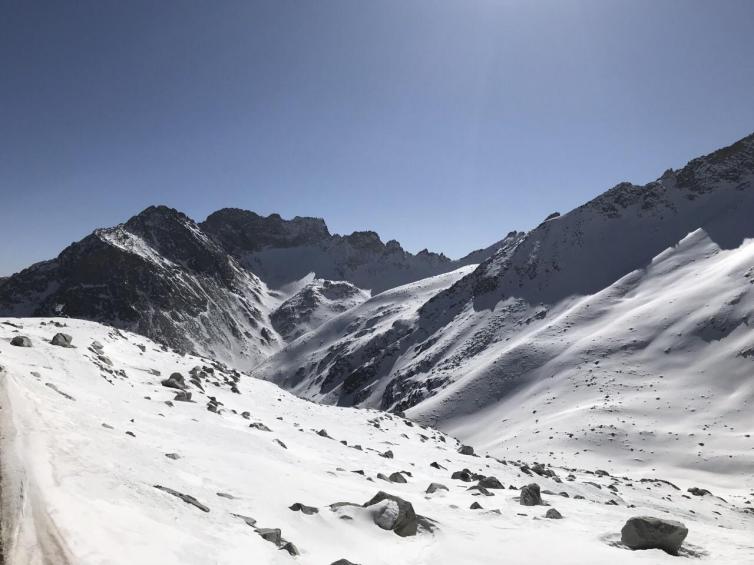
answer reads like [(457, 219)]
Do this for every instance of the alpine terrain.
[(251, 389)]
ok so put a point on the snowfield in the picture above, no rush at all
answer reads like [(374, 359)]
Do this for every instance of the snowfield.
[(87, 430)]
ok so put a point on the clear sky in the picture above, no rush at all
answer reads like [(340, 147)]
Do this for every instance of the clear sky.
[(443, 124)]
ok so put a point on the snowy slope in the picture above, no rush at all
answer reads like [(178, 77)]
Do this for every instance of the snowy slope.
[(85, 440), (634, 305), (343, 361)]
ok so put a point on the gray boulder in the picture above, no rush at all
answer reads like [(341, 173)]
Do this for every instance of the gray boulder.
[(183, 396), (62, 340), (466, 450), (21, 341), (397, 478), (434, 487), (530, 495), (393, 513), (175, 380), (553, 514), (648, 532), (490, 482)]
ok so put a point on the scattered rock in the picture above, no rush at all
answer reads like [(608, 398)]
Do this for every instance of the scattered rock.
[(175, 380), (397, 478), (464, 476), (225, 495), (187, 498), (172, 456), (390, 512), (183, 396), (60, 392), (343, 562), (466, 450), (434, 487), (308, 510), (553, 514), (62, 340), (259, 426), (475, 506), (280, 443), (272, 535), (530, 495), (490, 482), (387, 455), (21, 341), (648, 532), (323, 433), (696, 491)]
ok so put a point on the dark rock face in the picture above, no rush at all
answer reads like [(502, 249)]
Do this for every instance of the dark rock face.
[(158, 275), (530, 495), (397, 514), (647, 532), (21, 341), (62, 340), (306, 246)]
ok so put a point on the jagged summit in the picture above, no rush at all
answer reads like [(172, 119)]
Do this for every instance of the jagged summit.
[(283, 251), (243, 231)]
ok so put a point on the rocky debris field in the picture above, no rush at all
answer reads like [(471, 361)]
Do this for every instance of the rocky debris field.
[(119, 450)]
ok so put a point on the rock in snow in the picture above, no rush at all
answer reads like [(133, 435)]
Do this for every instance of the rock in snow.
[(62, 340), (530, 495), (647, 532), (390, 512), (21, 341)]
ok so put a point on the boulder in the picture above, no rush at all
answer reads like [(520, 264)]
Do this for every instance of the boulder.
[(397, 478), (61, 340), (530, 495), (466, 450), (183, 396), (175, 380), (696, 491), (390, 512), (434, 487), (648, 532), (21, 341), (553, 514), (464, 476), (490, 482)]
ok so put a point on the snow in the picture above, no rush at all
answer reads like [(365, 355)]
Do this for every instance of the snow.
[(79, 492)]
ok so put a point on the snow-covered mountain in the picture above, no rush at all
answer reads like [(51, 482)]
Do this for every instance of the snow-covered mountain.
[(283, 251), (159, 275), (578, 338), (206, 287), (315, 303), (117, 451)]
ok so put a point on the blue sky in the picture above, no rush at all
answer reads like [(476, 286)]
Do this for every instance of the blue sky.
[(441, 124)]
